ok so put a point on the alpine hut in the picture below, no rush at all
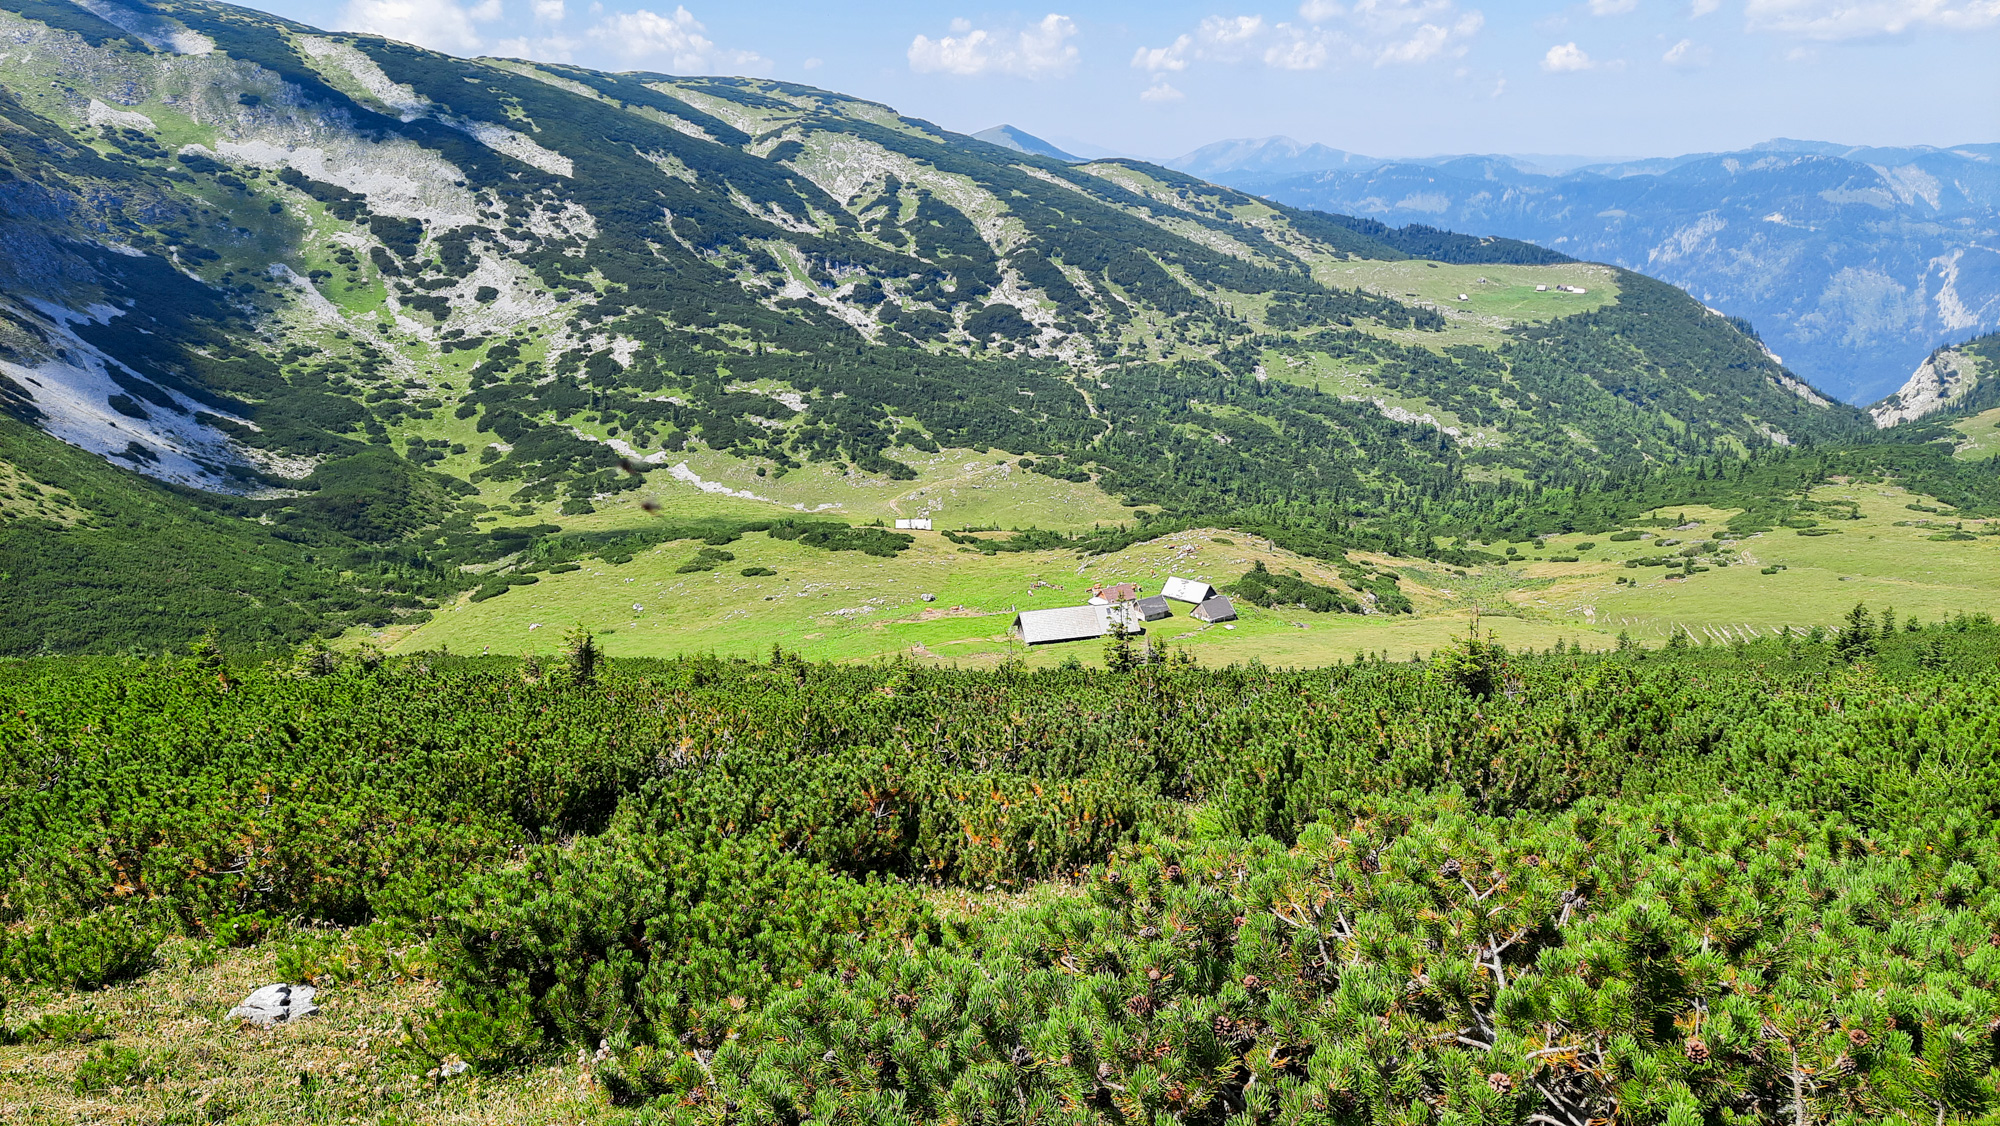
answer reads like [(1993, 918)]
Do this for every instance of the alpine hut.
[(1188, 590), (1153, 609), (1215, 609), (1074, 623)]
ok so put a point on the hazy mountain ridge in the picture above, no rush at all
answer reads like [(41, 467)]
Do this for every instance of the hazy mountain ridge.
[(1853, 262)]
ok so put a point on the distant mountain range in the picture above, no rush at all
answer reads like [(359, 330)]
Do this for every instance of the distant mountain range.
[(1853, 263)]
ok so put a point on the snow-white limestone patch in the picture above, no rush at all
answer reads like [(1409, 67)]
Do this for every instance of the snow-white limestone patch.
[(569, 220), (1944, 377), (1798, 386), (681, 472), (521, 298), (399, 177), (364, 72), (672, 165), (100, 114), (1910, 183), (770, 212), (154, 30), (1951, 307), (1688, 239), (308, 295), (1187, 228), (792, 400), (844, 166), (737, 116), (675, 122), (409, 105), (1394, 413), (73, 386)]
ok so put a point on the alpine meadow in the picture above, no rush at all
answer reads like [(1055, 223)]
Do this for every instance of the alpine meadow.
[(534, 594)]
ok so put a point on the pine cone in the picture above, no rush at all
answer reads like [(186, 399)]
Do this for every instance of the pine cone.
[(1139, 1005), (1697, 1049), (1252, 981), (1174, 872), (1501, 1082), (1153, 974), (1450, 868), (1105, 1070), (905, 1002), (1020, 1056), (1371, 860), (1222, 1026), (1149, 932), (1858, 1037)]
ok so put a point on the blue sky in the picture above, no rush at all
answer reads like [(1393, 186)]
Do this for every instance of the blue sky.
[(1381, 77)]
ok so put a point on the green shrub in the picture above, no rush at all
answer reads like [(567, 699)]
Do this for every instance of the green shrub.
[(640, 937), (87, 952), (114, 1066)]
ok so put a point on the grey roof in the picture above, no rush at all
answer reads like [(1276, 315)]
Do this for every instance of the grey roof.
[(1217, 609), (1154, 608), (1066, 623)]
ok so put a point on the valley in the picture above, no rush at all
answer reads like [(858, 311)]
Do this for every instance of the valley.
[(846, 606)]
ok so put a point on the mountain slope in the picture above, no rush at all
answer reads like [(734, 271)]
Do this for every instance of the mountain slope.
[(1855, 263), (1008, 137), (317, 273), (1958, 380)]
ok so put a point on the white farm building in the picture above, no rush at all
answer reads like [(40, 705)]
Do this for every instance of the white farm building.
[(1190, 591), (1074, 623)]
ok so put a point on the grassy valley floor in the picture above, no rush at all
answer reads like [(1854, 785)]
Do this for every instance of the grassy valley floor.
[(845, 605)]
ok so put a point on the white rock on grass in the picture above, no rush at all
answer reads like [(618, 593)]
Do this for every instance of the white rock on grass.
[(276, 1004)]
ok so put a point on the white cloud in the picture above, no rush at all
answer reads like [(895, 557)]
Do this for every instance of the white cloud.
[(676, 41), (1160, 91), (1040, 49), (441, 25), (1849, 19), (1430, 41), (1612, 7), (1373, 32), (1173, 56), (1228, 31), (548, 10), (1566, 57), (1300, 50), (1703, 7), (1686, 53), (548, 49)]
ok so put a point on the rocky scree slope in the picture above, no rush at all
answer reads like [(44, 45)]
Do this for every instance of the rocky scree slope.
[(1951, 382)]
